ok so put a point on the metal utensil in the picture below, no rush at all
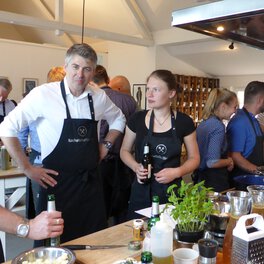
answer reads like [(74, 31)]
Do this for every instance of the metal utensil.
[(92, 247)]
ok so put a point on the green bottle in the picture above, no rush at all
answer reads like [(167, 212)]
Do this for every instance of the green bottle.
[(53, 241), (155, 214), (146, 257)]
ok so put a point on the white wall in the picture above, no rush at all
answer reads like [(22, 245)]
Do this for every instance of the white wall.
[(21, 60), (239, 82), (26, 60)]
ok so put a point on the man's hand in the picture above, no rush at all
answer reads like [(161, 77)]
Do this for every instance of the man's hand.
[(45, 225), (41, 175)]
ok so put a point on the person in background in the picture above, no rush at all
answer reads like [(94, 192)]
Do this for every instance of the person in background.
[(245, 137), (215, 164), (34, 151), (116, 176), (121, 84), (6, 105), (260, 118), (66, 115), (45, 225), (56, 74), (164, 130)]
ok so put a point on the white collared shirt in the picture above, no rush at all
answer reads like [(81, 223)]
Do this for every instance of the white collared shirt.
[(45, 105)]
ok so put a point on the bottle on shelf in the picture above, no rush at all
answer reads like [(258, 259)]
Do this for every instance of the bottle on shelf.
[(146, 162), (155, 214), (161, 242), (53, 241), (146, 257), (5, 158)]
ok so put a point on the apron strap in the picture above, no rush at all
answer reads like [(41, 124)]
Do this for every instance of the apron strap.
[(251, 122), (64, 98), (4, 110), (151, 125), (90, 101)]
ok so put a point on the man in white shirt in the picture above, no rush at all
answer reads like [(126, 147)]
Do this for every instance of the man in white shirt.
[(66, 116)]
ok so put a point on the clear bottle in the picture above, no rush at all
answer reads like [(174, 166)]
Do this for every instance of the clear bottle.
[(155, 214), (146, 162), (146, 257), (5, 158), (161, 241), (53, 241), (239, 205)]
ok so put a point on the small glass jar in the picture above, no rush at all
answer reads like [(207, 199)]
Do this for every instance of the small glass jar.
[(138, 228)]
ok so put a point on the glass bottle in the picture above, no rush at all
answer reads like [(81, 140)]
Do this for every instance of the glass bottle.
[(239, 205), (155, 214), (146, 257), (146, 162), (53, 241), (4, 158)]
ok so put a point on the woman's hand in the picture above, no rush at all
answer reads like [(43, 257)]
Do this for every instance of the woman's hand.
[(141, 173), (166, 175)]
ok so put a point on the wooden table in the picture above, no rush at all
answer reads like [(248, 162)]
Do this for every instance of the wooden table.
[(119, 234), (15, 180)]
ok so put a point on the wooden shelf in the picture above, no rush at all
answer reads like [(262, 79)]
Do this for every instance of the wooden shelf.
[(192, 93)]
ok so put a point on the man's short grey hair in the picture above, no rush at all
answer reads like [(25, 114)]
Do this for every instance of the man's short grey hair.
[(84, 50)]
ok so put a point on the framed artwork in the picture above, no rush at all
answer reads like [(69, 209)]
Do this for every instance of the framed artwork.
[(139, 93), (29, 84)]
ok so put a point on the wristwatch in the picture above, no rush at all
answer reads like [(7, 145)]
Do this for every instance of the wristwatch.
[(23, 228), (107, 144)]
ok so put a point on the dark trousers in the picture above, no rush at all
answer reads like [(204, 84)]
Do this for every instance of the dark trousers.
[(117, 179)]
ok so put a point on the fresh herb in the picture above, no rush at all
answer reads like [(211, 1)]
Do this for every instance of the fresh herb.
[(190, 205)]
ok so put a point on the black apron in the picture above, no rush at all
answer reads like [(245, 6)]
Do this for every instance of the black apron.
[(78, 193), (4, 113), (165, 153), (256, 157), (2, 257)]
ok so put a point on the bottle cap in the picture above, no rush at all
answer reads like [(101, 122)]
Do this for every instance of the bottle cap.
[(138, 223), (208, 247)]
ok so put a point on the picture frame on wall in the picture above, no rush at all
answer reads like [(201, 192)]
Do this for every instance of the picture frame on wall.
[(139, 93), (29, 84)]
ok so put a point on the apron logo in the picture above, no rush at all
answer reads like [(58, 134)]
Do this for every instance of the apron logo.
[(161, 149), (82, 131)]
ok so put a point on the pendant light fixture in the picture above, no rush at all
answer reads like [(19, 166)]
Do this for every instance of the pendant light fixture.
[(83, 20)]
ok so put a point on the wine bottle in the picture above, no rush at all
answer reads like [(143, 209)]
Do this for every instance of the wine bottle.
[(155, 214), (53, 241), (146, 162)]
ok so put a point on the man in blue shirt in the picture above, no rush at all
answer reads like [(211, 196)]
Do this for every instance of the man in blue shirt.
[(245, 137)]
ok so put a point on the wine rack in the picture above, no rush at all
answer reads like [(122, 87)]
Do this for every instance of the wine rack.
[(192, 93)]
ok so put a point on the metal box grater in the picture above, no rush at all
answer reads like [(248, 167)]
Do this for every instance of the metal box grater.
[(248, 241)]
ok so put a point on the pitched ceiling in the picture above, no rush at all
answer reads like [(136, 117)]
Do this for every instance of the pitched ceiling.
[(59, 22)]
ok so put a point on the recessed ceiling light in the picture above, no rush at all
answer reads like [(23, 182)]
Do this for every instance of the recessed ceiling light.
[(220, 28)]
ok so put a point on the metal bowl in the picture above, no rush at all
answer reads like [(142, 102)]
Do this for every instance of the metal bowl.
[(44, 253)]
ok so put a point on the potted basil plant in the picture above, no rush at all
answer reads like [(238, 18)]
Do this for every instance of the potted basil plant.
[(190, 208)]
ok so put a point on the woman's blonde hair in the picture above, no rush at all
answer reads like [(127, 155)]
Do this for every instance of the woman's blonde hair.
[(56, 74), (215, 98)]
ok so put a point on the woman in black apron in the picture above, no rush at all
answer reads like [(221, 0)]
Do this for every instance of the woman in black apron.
[(215, 165), (78, 192), (164, 131)]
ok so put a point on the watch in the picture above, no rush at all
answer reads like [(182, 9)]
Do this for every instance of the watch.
[(107, 144), (23, 228)]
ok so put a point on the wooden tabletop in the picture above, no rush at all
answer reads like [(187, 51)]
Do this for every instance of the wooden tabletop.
[(116, 235), (10, 173)]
